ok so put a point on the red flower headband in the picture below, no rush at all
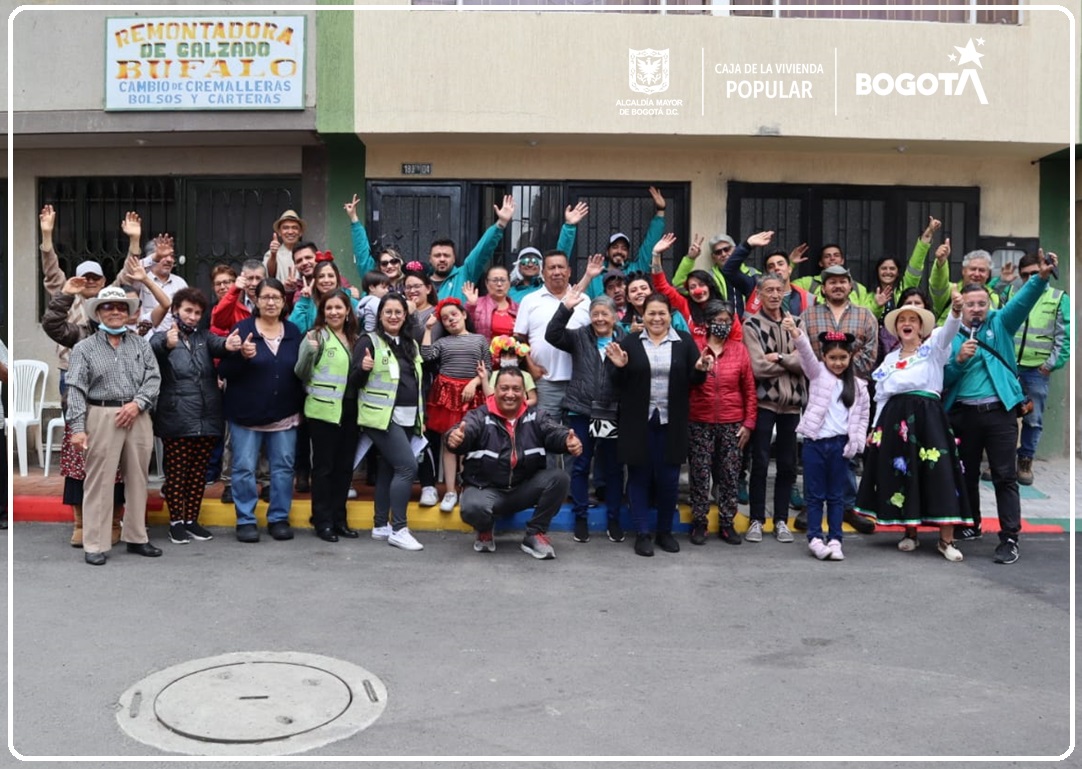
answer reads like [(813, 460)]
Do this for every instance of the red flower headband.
[(451, 301)]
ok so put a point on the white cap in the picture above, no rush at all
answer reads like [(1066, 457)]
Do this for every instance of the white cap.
[(89, 268)]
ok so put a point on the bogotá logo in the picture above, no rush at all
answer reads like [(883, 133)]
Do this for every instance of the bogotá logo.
[(648, 70), (951, 83)]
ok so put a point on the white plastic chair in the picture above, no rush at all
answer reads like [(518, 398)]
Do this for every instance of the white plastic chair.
[(28, 393), (56, 422)]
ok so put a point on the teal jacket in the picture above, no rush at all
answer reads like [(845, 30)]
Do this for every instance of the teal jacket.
[(998, 332), (362, 251), (304, 313), (473, 267), (642, 260)]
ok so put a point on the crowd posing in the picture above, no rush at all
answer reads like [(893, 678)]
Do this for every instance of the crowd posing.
[(490, 375)]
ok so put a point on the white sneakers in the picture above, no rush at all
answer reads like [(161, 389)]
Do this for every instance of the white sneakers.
[(404, 540), (429, 496), (450, 499), (382, 533), (819, 549), (908, 544)]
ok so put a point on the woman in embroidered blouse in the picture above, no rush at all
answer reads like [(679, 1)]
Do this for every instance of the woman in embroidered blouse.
[(913, 475)]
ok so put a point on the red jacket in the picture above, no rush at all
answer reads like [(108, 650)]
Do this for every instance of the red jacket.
[(228, 312), (680, 304), (728, 394)]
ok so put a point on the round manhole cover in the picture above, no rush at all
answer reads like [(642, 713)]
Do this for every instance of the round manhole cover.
[(252, 703)]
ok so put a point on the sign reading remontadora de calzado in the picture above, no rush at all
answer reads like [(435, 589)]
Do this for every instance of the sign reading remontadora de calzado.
[(204, 63)]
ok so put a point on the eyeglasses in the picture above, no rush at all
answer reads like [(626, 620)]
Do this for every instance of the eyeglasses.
[(389, 262), (981, 305), (226, 282), (270, 299), (113, 306), (497, 281), (529, 260), (722, 251), (414, 287)]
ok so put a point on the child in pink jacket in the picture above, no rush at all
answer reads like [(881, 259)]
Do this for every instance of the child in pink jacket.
[(834, 426)]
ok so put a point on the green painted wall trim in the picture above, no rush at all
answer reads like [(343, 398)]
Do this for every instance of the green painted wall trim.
[(1054, 230), (334, 69), (345, 177)]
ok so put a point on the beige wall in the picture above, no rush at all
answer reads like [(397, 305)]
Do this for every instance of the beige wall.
[(27, 338), (1009, 186), (563, 73)]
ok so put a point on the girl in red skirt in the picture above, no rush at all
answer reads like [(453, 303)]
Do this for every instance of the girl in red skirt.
[(458, 387)]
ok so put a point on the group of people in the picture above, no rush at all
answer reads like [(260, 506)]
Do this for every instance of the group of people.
[(489, 373)]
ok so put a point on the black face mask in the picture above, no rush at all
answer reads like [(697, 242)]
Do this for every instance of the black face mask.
[(720, 330), (184, 327)]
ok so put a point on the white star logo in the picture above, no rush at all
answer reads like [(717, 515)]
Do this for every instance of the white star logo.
[(980, 41), (969, 54), (952, 57)]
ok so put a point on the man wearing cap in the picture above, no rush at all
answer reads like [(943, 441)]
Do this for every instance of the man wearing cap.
[(841, 314), (113, 383), (618, 253), (526, 271), (830, 255), (288, 229)]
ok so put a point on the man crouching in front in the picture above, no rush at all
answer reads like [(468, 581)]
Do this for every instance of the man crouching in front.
[(113, 382), (505, 444)]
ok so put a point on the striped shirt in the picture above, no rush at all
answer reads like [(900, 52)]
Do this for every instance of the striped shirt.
[(101, 372), (458, 355)]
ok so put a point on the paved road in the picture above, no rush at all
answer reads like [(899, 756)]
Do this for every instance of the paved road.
[(753, 650)]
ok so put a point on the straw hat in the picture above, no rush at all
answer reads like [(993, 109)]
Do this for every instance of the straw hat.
[(927, 320)]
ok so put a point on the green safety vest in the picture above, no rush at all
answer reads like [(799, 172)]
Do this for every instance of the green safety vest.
[(375, 403), (1033, 341), (327, 385)]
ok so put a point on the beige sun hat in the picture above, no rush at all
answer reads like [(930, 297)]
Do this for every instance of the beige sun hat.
[(290, 216), (927, 320), (107, 295)]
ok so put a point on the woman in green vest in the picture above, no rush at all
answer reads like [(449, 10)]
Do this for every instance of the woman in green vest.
[(387, 373), (330, 406)]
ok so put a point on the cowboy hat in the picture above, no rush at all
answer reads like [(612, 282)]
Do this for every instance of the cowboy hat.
[(108, 295), (927, 320), (289, 216)]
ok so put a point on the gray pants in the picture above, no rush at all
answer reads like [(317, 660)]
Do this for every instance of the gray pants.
[(545, 492), (550, 402), (395, 474)]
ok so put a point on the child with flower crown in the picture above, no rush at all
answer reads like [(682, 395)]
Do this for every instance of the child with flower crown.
[(509, 352)]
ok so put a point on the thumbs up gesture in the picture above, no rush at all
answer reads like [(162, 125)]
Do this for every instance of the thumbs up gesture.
[(368, 362), (574, 445), (944, 251), (456, 436), (232, 342), (248, 348), (274, 244), (172, 336)]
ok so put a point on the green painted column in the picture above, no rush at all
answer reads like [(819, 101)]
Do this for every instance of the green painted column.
[(335, 123), (1055, 235)]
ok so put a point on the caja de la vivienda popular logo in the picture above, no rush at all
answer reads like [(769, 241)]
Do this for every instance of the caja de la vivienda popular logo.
[(962, 81)]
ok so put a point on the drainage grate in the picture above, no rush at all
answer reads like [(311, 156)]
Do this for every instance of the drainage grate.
[(251, 704)]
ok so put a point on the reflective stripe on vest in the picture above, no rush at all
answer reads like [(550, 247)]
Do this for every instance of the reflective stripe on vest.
[(1039, 330), (375, 403), (327, 385)]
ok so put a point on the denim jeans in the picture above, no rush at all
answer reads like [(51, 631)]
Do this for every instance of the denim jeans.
[(826, 479), (607, 466), (280, 446), (666, 482), (395, 475), (1035, 387)]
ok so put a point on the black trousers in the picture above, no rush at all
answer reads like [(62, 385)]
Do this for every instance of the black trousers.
[(545, 492), (992, 430), (333, 447)]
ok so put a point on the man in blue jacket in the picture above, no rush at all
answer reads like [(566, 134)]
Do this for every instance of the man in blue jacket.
[(982, 392), (505, 444)]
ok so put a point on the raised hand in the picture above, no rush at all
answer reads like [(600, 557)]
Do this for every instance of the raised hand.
[(248, 349), (575, 215), (659, 199), (595, 265), (456, 435), (172, 336), (761, 239), (351, 208), (882, 295), (572, 297), (274, 244), (313, 339), (133, 266), (74, 285), (1007, 273), (799, 254), (232, 342), (696, 246), (616, 354), (132, 226), (790, 325), (942, 254), (290, 283), (706, 360), (163, 242), (306, 286), (933, 225), (470, 292), (1048, 263), (956, 301), (368, 362), (574, 444), (47, 219), (664, 243), (505, 212)]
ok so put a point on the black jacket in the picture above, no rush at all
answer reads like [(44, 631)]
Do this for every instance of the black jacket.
[(189, 403), (590, 390), (488, 447), (632, 382)]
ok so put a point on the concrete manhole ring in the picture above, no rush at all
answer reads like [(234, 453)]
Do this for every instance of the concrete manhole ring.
[(251, 704)]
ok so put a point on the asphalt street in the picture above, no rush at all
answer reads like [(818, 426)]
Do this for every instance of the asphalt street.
[(756, 650)]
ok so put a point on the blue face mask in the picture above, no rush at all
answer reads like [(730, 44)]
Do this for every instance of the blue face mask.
[(112, 331)]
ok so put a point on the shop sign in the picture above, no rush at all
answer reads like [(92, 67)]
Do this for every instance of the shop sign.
[(204, 63)]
